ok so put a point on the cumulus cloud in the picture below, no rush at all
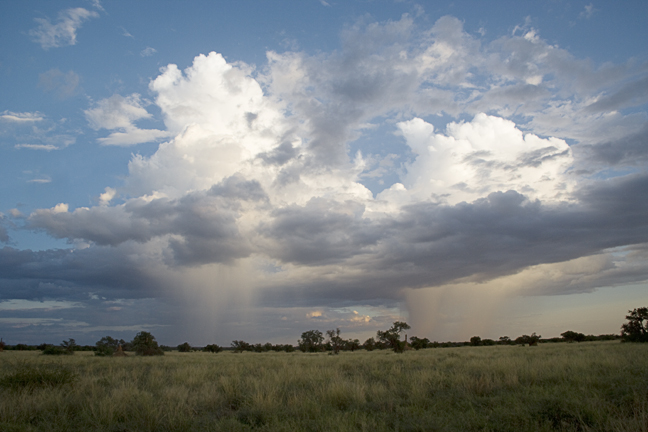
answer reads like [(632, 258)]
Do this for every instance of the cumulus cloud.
[(485, 155), (118, 112), (63, 31)]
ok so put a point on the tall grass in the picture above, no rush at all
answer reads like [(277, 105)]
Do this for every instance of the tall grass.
[(597, 386)]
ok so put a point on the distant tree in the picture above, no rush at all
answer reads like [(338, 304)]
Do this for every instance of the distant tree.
[(369, 344), (69, 345), (505, 340), (488, 342), (185, 348), (212, 348), (475, 341), (528, 340), (351, 344), (240, 346), (572, 336), (335, 340), (636, 329), (391, 337), (144, 344), (56, 350), (418, 343), (2, 345), (106, 346), (311, 341)]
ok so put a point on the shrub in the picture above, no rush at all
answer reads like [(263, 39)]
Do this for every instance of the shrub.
[(240, 346), (369, 344), (106, 346), (572, 336), (213, 348), (56, 350), (391, 337), (418, 343), (185, 347), (530, 340), (144, 344)]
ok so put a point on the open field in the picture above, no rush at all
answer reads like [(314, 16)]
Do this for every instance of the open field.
[(598, 386)]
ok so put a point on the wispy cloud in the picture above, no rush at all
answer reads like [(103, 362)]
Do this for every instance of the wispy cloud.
[(126, 33), (64, 85), (41, 180), (47, 147), (24, 117), (148, 52), (63, 31), (588, 12)]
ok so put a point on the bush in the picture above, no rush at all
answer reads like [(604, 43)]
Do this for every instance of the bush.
[(185, 347), (530, 340), (31, 377), (56, 350), (144, 344), (572, 336), (239, 346), (212, 348), (106, 346)]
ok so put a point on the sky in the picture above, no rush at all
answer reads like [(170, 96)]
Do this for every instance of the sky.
[(211, 171)]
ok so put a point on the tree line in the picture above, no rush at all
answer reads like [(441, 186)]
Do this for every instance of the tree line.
[(312, 341)]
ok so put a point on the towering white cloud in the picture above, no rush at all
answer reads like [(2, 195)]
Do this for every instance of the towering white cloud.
[(485, 155)]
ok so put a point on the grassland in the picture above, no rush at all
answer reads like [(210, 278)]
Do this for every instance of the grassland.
[(598, 386)]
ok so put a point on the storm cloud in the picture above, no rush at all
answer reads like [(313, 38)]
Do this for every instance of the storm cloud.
[(259, 190)]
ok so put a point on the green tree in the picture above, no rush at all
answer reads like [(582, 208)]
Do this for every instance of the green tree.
[(212, 348), (636, 329), (240, 346), (69, 345), (505, 340), (144, 344), (106, 346), (530, 340), (391, 337), (572, 336), (369, 344), (352, 344), (311, 341), (418, 343), (335, 340), (185, 348), (475, 341)]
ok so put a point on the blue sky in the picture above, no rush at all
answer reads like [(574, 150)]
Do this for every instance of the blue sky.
[(211, 171)]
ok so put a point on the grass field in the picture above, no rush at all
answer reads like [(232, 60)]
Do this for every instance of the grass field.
[(598, 386)]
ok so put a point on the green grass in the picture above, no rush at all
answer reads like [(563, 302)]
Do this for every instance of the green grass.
[(597, 386)]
